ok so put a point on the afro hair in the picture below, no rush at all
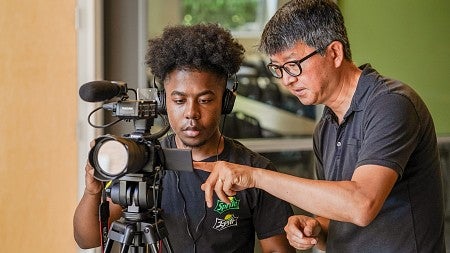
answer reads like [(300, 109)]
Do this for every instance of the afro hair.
[(201, 47)]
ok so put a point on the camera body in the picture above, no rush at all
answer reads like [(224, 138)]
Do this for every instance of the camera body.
[(135, 109), (113, 156)]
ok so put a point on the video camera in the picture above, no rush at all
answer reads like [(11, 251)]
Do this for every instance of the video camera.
[(134, 162), (113, 156)]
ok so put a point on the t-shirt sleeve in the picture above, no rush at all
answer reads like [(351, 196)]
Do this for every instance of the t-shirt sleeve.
[(391, 129)]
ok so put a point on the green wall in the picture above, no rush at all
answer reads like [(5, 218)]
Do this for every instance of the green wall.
[(408, 40)]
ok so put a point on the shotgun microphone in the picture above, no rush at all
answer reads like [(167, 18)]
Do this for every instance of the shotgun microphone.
[(97, 91)]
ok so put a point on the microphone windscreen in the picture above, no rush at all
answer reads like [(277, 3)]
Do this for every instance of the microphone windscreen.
[(97, 91)]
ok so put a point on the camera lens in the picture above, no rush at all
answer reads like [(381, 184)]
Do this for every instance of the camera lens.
[(114, 156)]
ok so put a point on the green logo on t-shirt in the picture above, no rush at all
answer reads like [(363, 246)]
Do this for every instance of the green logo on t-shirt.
[(223, 207)]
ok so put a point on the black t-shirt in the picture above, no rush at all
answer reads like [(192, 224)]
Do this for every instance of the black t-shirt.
[(387, 124), (224, 227)]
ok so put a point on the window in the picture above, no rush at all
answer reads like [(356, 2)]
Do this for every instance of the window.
[(245, 18)]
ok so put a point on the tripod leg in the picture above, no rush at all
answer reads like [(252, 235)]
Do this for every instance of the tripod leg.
[(108, 245), (124, 248), (167, 245), (153, 233), (153, 248), (120, 232)]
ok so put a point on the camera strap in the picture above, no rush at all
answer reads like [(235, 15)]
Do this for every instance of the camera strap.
[(103, 210)]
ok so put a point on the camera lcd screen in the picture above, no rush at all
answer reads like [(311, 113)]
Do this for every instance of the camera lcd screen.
[(178, 159)]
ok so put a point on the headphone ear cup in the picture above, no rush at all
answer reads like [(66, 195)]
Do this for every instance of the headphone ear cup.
[(162, 102), (228, 101)]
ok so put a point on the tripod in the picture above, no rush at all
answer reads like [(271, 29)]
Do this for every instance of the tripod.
[(135, 229)]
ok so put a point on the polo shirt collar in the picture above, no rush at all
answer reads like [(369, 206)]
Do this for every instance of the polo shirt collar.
[(367, 77)]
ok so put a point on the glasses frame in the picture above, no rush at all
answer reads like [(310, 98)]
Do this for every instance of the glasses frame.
[(297, 62)]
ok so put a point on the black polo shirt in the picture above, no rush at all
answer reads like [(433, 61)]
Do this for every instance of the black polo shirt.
[(387, 124)]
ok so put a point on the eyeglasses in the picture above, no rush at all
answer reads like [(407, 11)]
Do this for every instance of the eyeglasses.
[(293, 68)]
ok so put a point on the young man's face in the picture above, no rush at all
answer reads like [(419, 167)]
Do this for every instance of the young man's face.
[(193, 102)]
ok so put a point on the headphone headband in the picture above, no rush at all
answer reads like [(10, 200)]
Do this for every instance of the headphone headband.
[(228, 98)]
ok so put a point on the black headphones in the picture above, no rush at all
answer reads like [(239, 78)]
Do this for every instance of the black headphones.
[(228, 98)]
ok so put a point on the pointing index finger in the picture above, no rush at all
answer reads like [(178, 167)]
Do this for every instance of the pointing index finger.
[(209, 184), (205, 166)]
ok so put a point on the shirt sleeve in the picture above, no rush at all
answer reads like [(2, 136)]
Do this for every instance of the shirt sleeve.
[(391, 129)]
